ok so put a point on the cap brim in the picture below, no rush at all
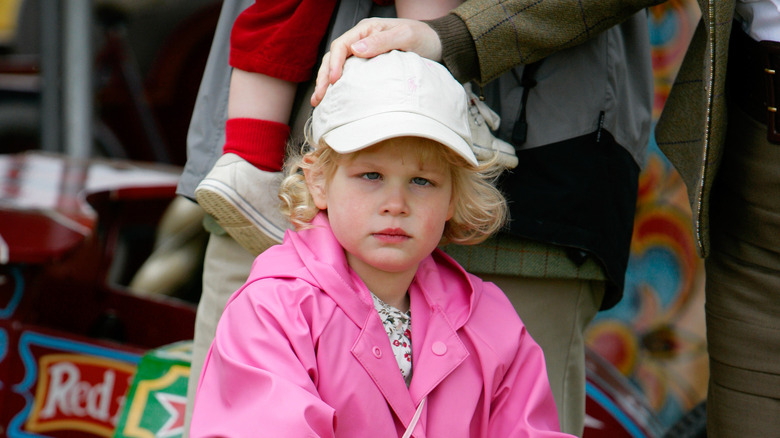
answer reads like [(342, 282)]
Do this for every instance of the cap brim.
[(368, 131)]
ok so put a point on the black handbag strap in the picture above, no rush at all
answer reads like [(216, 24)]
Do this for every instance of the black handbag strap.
[(527, 81)]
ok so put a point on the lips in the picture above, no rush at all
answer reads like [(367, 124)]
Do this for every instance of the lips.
[(391, 235)]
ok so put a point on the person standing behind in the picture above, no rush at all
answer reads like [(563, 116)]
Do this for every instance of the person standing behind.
[(719, 128), (319, 341)]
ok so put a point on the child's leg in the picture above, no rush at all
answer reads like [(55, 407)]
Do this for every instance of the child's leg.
[(259, 109), (272, 49), (240, 191)]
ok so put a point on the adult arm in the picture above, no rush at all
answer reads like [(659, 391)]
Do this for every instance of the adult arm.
[(481, 39), (524, 31)]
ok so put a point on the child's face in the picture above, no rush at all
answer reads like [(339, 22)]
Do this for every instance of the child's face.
[(386, 207)]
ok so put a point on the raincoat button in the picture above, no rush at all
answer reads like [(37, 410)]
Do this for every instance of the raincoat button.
[(377, 352), (439, 348)]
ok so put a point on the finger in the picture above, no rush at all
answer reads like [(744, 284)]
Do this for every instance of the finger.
[(342, 47), (405, 35), (370, 37), (331, 68), (396, 38), (364, 28), (321, 83), (336, 63)]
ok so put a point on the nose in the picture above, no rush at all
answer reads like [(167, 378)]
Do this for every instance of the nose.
[(395, 201)]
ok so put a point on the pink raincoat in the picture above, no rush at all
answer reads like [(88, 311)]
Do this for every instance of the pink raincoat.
[(301, 352)]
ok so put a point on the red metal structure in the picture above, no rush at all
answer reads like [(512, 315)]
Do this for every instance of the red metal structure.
[(70, 340)]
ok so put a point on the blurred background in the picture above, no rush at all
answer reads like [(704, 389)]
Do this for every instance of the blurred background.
[(141, 59), (114, 82)]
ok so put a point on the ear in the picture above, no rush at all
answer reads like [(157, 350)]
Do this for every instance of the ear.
[(316, 183), (451, 208)]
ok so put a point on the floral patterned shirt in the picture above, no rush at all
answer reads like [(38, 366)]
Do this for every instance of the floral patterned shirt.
[(398, 327)]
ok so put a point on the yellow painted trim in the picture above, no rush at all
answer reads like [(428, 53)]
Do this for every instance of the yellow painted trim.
[(9, 19)]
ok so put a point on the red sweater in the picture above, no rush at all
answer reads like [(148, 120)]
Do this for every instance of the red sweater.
[(280, 38)]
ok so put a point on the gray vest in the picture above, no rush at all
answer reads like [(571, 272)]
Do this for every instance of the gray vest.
[(606, 74)]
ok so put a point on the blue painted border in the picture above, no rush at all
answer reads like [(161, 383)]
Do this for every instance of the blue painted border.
[(3, 351), (610, 406), (8, 311)]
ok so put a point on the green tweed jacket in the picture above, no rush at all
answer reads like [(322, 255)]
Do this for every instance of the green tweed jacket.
[(692, 126)]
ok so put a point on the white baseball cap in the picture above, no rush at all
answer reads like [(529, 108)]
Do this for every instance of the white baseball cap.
[(395, 94)]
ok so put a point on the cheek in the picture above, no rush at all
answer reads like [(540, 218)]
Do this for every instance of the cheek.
[(347, 224), (344, 212), (438, 214)]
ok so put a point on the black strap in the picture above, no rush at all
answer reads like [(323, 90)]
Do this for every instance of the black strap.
[(527, 81)]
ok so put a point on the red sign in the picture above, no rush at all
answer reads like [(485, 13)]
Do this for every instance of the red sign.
[(80, 393)]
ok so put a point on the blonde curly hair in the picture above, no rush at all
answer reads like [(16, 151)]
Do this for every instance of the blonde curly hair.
[(480, 208)]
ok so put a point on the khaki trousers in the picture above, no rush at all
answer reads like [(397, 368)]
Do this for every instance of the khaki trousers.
[(743, 286)]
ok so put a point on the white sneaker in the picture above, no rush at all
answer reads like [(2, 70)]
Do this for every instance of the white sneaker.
[(244, 200), (483, 122)]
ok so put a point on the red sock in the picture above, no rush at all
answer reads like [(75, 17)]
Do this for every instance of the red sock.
[(261, 142)]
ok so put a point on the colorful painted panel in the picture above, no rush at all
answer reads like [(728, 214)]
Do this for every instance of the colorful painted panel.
[(656, 335)]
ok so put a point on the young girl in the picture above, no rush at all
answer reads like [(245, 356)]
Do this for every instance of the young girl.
[(357, 325)]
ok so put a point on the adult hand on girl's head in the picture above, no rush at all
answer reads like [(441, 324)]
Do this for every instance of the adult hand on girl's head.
[(371, 37)]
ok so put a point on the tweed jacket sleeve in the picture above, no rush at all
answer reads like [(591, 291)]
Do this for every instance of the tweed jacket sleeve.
[(513, 32)]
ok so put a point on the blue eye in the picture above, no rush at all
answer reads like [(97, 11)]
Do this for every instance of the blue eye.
[(420, 181), (371, 175)]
